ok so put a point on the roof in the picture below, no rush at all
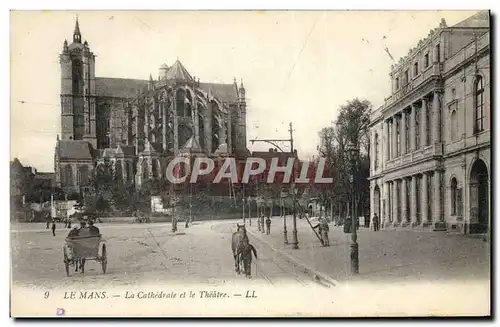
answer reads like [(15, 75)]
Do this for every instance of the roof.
[(191, 146), (76, 150), (16, 164), (119, 87), (271, 154), (128, 150), (48, 176), (480, 19), (179, 72), (224, 92)]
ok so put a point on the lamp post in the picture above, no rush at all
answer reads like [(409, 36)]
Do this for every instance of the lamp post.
[(295, 240), (353, 152)]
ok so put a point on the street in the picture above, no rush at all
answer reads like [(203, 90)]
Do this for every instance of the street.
[(146, 254), (149, 257)]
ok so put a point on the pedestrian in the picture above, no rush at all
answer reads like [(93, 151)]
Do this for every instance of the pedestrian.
[(324, 229), (376, 222), (53, 227), (268, 225), (48, 224)]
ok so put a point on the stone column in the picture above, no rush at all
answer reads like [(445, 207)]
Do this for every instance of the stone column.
[(384, 213), (413, 200), (424, 203), (436, 119), (394, 137), (436, 197), (389, 202), (395, 196), (403, 132), (413, 129), (404, 204), (385, 142), (423, 125)]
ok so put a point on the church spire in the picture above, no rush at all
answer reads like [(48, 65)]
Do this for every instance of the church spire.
[(77, 36)]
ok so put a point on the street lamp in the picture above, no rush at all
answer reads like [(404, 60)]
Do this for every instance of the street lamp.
[(353, 153), (295, 240)]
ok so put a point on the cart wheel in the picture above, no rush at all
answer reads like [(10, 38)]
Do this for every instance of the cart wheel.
[(104, 259), (66, 261)]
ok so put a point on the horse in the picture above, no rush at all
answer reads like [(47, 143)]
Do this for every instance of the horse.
[(238, 237), (245, 256)]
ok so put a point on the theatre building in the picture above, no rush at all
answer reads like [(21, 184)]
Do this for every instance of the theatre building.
[(430, 161)]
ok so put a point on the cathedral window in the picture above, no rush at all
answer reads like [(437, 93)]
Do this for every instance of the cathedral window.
[(180, 98), (68, 175), (77, 76), (83, 176), (189, 104)]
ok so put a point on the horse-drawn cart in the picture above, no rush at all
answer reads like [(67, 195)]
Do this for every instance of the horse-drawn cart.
[(78, 249)]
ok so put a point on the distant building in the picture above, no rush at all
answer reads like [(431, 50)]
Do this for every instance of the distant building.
[(430, 141), (21, 178), (139, 126)]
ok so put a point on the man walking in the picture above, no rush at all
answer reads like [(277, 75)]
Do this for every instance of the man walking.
[(53, 227), (268, 225), (376, 223)]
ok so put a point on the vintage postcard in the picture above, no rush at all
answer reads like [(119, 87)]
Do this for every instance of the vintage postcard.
[(250, 163)]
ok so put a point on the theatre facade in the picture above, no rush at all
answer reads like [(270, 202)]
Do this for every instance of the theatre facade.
[(430, 164)]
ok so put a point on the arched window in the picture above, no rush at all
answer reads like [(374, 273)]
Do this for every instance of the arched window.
[(180, 97), (118, 170), (376, 151), (454, 126), (201, 131), (83, 175), (128, 171), (68, 175), (145, 170), (189, 104), (155, 168), (453, 195), (479, 104), (77, 77), (185, 133)]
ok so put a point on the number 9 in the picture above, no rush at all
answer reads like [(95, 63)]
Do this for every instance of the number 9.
[(46, 294)]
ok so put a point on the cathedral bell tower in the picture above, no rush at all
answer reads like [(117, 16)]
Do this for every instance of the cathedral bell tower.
[(78, 90)]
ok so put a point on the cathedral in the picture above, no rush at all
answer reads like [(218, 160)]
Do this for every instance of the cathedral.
[(139, 126)]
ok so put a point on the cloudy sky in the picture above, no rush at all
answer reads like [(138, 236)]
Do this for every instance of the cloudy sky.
[(296, 66)]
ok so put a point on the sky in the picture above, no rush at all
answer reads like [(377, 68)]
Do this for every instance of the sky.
[(296, 66)]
